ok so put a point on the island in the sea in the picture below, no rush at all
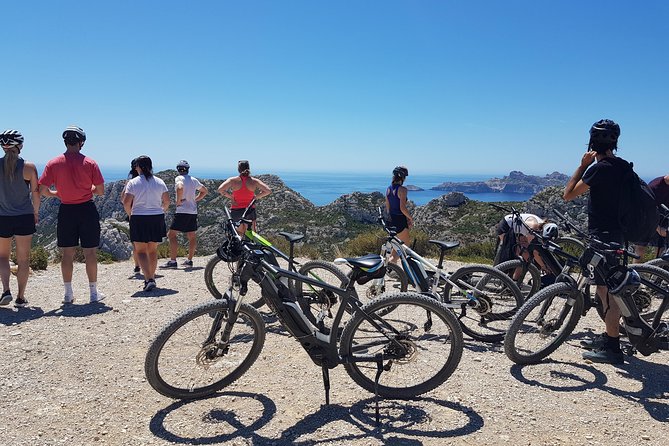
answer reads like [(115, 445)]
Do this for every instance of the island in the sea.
[(514, 183)]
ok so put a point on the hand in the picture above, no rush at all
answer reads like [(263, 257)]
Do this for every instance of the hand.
[(588, 158)]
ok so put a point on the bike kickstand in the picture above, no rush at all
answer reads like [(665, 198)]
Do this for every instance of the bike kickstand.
[(379, 370), (326, 383)]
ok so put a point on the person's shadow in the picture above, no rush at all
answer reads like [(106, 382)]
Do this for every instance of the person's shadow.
[(9, 317)]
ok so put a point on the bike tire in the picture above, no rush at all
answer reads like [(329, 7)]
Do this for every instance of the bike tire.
[(434, 351), (572, 246), (499, 299), (216, 273), (529, 282), (395, 280), (176, 359), (646, 299), (312, 299), (529, 326)]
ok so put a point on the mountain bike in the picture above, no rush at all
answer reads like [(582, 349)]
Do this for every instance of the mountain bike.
[(547, 319), (483, 298), (217, 270), (399, 355), (524, 269)]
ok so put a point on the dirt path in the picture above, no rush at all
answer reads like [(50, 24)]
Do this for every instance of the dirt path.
[(75, 376)]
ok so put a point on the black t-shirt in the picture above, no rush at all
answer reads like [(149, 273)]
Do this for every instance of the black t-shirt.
[(604, 178), (661, 191)]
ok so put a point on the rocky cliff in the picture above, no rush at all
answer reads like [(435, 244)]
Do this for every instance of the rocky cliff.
[(449, 217), (515, 182)]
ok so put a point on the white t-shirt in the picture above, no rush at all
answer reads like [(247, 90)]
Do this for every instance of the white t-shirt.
[(519, 228), (191, 186), (147, 195)]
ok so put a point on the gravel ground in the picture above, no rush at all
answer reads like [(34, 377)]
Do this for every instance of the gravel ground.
[(75, 375)]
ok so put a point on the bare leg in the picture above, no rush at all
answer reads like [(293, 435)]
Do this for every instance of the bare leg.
[(152, 258), (612, 317), (5, 251), (404, 236), (67, 263), (192, 244), (134, 255), (174, 243), (23, 243), (91, 256), (143, 259)]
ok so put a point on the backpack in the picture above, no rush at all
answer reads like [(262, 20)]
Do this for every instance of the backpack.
[(637, 213)]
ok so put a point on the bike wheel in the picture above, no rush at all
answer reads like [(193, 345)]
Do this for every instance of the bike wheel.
[(528, 277), (395, 280), (420, 344), (574, 247), (217, 277), (316, 301), (543, 323), (653, 289), (187, 360), (495, 298)]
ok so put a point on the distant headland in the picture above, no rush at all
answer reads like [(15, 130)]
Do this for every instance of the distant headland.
[(515, 183)]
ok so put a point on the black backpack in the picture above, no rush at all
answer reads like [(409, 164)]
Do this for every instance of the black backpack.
[(637, 214)]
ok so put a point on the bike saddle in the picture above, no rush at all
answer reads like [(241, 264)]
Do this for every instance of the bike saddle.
[(370, 262), (292, 238), (444, 246)]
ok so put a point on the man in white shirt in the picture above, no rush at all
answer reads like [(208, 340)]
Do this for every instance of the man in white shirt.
[(188, 191)]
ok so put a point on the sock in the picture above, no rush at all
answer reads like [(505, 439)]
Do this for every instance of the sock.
[(68, 289), (93, 286)]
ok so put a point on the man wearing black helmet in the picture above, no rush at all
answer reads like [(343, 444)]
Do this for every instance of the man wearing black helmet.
[(602, 179), (76, 179), (188, 192)]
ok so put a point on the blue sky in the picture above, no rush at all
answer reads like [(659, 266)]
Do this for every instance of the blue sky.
[(440, 86)]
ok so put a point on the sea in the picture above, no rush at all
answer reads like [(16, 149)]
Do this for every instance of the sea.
[(322, 188)]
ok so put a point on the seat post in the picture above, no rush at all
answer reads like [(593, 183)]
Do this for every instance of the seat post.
[(441, 258), (290, 256)]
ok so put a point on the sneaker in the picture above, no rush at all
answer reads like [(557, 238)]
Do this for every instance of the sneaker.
[(149, 285), (137, 269), (607, 354), (68, 299), (20, 302), (6, 298), (170, 264), (97, 297), (595, 343), (188, 263)]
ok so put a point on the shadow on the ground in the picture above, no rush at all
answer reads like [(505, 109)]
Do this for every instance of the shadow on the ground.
[(653, 396), (401, 422), (66, 310), (156, 292)]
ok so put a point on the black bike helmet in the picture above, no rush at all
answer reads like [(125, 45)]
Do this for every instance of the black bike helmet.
[(401, 172), (74, 134), (11, 138), (623, 280), (604, 136), (231, 250)]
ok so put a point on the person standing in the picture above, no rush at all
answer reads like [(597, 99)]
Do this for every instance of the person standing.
[(396, 206), (76, 178), (132, 174), (19, 213), (146, 200), (602, 179), (660, 187), (242, 190), (189, 191)]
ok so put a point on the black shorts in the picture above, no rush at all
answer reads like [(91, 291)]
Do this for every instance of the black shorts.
[(78, 223), (399, 222), (17, 225), (184, 223), (611, 259), (236, 214), (147, 228)]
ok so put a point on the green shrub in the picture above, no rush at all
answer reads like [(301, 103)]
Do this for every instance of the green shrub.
[(482, 252), (164, 251), (39, 258)]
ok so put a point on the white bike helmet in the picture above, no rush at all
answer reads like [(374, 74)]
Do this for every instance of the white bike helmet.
[(550, 231), (11, 138)]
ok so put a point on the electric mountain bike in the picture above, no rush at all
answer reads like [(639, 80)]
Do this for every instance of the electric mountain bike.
[(547, 319), (482, 298), (217, 271), (410, 351)]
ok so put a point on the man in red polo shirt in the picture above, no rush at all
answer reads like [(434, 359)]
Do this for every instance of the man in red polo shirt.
[(76, 178)]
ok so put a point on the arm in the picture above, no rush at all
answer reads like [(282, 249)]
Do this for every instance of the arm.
[(127, 202), (224, 188), (201, 192), (45, 191), (166, 201), (98, 189), (30, 174), (402, 194), (262, 188), (179, 188), (575, 186), (387, 202)]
